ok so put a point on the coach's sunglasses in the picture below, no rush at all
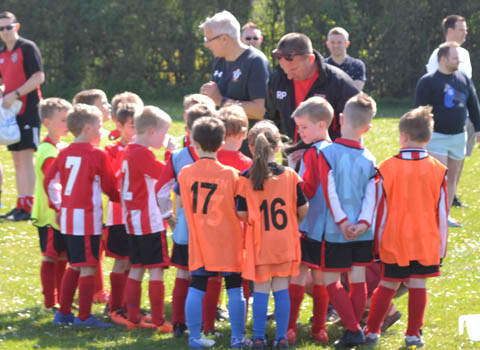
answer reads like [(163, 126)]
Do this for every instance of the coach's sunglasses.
[(288, 56), (256, 38), (8, 27)]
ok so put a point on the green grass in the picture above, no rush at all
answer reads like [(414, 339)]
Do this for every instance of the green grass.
[(24, 324)]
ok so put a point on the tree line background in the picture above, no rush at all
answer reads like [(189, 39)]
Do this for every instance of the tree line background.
[(155, 48)]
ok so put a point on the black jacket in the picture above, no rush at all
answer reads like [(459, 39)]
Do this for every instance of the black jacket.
[(333, 84)]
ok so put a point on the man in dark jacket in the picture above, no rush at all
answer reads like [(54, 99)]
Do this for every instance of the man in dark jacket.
[(302, 73)]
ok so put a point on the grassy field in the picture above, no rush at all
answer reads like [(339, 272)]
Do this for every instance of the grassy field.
[(25, 324)]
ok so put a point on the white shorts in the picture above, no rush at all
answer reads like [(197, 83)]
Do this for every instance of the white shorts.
[(451, 145)]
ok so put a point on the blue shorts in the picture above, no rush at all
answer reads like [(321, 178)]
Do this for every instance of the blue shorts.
[(453, 146)]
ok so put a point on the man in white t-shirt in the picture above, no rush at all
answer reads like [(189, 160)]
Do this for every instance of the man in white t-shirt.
[(455, 29)]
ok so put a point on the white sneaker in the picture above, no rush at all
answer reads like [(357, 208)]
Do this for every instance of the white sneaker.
[(201, 343)]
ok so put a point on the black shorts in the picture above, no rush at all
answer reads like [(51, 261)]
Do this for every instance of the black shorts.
[(82, 250), (395, 273), (179, 256), (311, 252), (117, 242), (29, 126), (342, 256), (149, 251), (52, 242)]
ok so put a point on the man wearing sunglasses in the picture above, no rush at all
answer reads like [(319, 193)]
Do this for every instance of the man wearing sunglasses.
[(240, 73), (252, 35), (302, 73), (21, 71)]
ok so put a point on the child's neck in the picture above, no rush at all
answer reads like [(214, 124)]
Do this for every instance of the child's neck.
[(81, 139), (413, 144), (204, 154), (55, 139), (322, 137), (124, 141), (351, 134), (142, 140), (232, 144)]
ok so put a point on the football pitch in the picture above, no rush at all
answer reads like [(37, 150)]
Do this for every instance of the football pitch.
[(25, 324)]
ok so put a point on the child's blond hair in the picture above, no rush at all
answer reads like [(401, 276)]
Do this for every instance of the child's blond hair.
[(316, 109), (417, 124), (151, 117), (88, 97), (360, 110), (235, 120), (81, 115), (193, 99), (47, 107)]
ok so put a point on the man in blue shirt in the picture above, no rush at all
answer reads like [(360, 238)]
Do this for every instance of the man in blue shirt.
[(337, 44)]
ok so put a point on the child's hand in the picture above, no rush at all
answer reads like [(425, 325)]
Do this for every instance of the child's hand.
[(171, 221), (294, 157), (170, 143), (358, 229), (346, 230)]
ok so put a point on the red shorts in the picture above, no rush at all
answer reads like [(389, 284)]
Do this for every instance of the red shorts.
[(149, 251), (82, 250), (52, 242)]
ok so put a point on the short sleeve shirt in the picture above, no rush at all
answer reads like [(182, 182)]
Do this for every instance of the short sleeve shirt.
[(244, 79), (354, 67)]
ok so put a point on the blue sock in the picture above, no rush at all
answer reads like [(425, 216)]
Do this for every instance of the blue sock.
[(259, 310), (236, 312), (282, 313), (193, 312)]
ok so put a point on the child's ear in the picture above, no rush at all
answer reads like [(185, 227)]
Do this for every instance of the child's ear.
[(46, 122)]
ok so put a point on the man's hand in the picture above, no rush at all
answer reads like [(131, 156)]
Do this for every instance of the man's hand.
[(211, 90)]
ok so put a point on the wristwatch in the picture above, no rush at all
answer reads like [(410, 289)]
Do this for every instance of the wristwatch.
[(18, 94)]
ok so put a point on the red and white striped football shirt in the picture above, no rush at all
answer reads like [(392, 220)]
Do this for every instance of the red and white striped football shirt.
[(115, 156), (139, 173), (74, 184)]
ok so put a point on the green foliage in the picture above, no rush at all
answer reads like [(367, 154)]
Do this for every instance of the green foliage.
[(155, 47)]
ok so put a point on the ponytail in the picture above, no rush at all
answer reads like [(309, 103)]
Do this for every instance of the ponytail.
[(259, 171)]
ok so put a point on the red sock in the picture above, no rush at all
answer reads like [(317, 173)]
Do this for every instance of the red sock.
[(20, 202), (341, 302), (246, 294), (47, 276), (180, 292), (99, 281), (210, 302), (117, 286), (28, 203), (85, 296), (60, 267), (124, 300), (156, 292), (320, 307), (358, 297), (296, 292), (417, 303), (133, 289), (381, 300), (69, 286)]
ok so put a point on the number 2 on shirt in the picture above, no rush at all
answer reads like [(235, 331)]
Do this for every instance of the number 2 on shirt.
[(126, 195), (74, 163)]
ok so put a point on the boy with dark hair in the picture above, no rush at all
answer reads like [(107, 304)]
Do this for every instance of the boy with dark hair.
[(348, 172), (74, 184), (163, 187), (144, 220), (116, 241), (409, 252), (53, 112), (208, 190)]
